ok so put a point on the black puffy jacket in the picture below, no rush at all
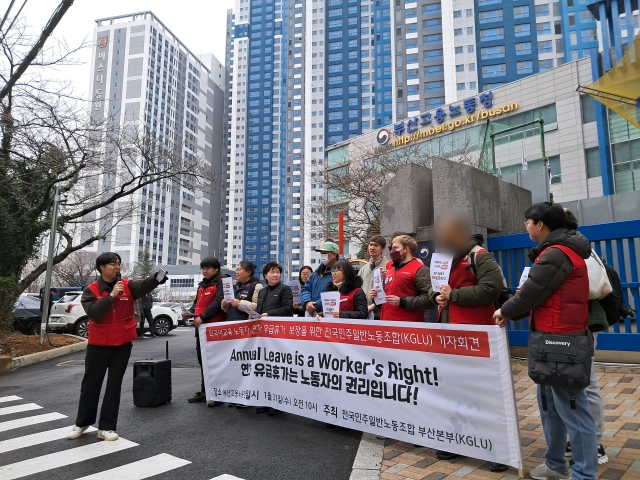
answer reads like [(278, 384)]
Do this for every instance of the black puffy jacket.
[(276, 301)]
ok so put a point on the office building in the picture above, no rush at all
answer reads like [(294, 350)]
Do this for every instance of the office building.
[(144, 77)]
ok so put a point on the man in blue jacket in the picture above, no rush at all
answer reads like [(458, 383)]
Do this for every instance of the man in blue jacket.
[(318, 281)]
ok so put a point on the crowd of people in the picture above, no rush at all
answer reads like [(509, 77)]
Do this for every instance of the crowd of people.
[(555, 295)]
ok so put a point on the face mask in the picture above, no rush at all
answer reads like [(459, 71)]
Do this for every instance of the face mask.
[(338, 285), (395, 256), (324, 258)]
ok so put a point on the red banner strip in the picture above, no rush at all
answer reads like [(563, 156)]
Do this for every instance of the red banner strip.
[(432, 340)]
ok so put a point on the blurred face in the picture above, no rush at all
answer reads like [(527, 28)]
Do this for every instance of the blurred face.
[(242, 275), (338, 276), (451, 237), (374, 250), (209, 272), (304, 274), (273, 276), (110, 270)]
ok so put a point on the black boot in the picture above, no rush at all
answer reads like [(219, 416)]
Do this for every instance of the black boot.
[(198, 397)]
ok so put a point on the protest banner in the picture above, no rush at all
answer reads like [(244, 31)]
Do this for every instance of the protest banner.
[(295, 289), (524, 276), (227, 288), (380, 297), (447, 387), (330, 303), (440, 270)]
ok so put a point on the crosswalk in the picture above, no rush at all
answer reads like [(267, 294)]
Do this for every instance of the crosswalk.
[(65, 457)]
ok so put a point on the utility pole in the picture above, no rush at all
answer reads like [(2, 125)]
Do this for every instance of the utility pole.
[(47, 278), (46, 31)]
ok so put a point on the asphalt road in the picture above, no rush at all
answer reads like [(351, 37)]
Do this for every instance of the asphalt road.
[(217, 441)]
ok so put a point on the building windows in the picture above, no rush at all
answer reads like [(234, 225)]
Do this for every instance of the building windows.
[(460, 68), (490, 16), (432, 39), (432, 54), (457, 32), (524, 48), (472, 67), (471, 48), (488, 2), (432, 70), (489, 34), (434, 86), (589, 35), (490, 71), (543, 28), (181, 282), (554, 166), (459, 49), (469, 30), (487, 53), (457, 14), (521, 12), (588, 109), (412, 43), (460, 86), (522, 30), (586, 17), (431, 8), (525, 67), (472, 85), (545, 64), (592, 159), (542, 10), (413, 90), (571, 19), (469, 12), (545, 46)]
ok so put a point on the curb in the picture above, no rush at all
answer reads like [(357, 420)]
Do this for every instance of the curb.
[(32, 358), (368, 461)]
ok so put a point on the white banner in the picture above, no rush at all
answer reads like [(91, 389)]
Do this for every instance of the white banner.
[(440, 270), (447, 387)]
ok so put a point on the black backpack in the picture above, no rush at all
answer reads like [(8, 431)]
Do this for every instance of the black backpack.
[(613, 304)]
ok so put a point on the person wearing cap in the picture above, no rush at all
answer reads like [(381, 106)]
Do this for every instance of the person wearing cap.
[(207, 308), (320, 279)]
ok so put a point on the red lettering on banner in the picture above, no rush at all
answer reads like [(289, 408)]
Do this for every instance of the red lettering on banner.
[(432, 340)]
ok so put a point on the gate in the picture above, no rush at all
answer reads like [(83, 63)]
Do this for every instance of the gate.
[(618, 243)]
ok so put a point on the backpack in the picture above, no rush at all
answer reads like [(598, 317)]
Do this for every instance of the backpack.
[(505, 293), (613, 304)]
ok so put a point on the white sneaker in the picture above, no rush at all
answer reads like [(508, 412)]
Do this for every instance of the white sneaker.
[(108, 435), (76, 432), (543, 472)]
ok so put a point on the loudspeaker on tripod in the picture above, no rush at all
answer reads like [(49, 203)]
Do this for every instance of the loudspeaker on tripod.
[(152, 382)]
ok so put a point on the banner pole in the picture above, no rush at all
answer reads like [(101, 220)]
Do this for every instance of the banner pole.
[(520, 473)]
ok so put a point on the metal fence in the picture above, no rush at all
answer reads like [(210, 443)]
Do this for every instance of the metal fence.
[(617, 243)]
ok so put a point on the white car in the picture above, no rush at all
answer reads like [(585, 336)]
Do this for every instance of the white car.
[(68, 316)]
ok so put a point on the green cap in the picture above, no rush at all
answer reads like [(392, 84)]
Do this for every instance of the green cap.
[(328, 247)]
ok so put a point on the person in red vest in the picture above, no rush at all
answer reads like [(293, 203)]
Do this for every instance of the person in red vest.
[(207, 308), (406, 284), (108, 303), (353, 300), (556, 298), (475, 284)]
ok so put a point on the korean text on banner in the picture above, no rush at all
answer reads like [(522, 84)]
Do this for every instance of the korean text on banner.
[(447, 387), (440, 270), (524, 276), (295, 289), (380, 297), (330, 303), (227, 288)]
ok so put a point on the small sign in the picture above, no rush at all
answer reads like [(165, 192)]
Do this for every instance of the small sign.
[(330, 303), (524, 277), (296, 289), (380, 297), (227, 288), (250, 311), (440, 270)]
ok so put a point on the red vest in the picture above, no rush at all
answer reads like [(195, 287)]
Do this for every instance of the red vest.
[(461, 276), (346, 301), (204, 298), (401, 283), (566, 309), (118, 325)]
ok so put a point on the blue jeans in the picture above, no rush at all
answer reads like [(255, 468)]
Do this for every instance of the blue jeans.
[(560, 419)]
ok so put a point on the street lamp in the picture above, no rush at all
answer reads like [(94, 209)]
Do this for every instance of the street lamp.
[(47, 278)]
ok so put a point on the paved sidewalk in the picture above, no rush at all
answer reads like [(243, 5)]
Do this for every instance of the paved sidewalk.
[(621, 391)]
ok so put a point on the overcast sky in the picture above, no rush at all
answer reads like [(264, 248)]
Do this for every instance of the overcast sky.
[(199, 24)]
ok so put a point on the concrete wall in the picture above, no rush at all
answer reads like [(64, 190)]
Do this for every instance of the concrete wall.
[(406, 202), (613, 208), (514, 201)]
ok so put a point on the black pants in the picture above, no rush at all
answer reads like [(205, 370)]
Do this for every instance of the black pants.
[(149, 317), (97, 361), (199, 354)]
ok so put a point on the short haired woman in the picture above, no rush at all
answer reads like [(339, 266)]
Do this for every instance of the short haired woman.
[(303, 276), (353, 301)]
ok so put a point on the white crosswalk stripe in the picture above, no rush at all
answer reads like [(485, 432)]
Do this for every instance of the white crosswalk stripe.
[(36, 439), (25, 422), (226, 476), (65, 456), (10, 398), (19, 408), (141, 469), (58, 459)]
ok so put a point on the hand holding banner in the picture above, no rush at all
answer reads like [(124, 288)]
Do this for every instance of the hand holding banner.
[(380, 297), (440, 270), (227, 287), (330, 303)]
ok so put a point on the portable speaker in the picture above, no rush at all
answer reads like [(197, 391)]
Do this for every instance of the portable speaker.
[(152, 382)]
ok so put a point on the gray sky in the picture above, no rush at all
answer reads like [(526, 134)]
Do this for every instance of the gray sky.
[(200, 24)]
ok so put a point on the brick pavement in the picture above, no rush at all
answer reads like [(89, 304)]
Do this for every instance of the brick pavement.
[(621, 439)]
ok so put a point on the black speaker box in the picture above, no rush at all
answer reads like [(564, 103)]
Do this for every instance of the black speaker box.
[(152, 382)]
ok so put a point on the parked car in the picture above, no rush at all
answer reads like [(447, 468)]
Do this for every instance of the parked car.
[(27, 316), (179, 308), (68, 316)]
